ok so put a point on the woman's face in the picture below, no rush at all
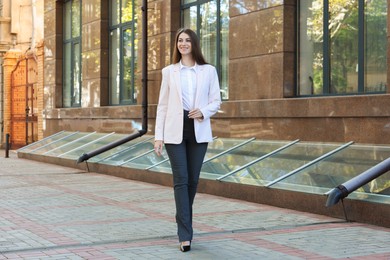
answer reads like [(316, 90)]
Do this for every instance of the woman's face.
[(184, 44)]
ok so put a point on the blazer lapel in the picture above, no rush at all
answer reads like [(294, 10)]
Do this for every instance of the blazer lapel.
[(176, 75)]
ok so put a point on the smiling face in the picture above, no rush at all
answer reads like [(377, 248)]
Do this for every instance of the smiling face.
[(184, 44)]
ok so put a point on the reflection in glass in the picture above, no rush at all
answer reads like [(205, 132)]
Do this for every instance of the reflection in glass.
[(208, 31), (123, 148), (190, 18), (127, 11), (45, 141), (129, 154), (76, 18), (311, 47), (67, 77), (354, 39), (58, 143), (71, 89), (280, 163), (76, 95), (343, 29), (224, 17), (123, 52), (339, 168), (128, 90), (149, 158), (114, 66), (68, 146), (115, 12), (67, 20), (257, 162), (238, 157), (376, 35)]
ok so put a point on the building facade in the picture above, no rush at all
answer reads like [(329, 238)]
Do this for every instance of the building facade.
[(21, 47), (284, 75)]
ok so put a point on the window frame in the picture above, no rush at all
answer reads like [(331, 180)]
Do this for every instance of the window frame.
[(122, 27), (218, 65), (326, 49), (72, 41)]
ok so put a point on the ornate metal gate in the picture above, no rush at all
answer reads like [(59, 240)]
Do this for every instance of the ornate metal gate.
[(24, 127)]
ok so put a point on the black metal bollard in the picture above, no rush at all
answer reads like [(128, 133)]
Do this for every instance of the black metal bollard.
[(7, 146)]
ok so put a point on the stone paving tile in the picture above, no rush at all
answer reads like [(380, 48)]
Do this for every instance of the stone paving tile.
[(337, 242), (53, 212)]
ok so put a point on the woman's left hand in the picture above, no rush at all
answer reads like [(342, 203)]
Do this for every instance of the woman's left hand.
[(196, 114), (158, 145)]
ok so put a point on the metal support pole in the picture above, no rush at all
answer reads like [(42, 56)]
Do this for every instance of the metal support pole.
[(7, 145), (343, 190)]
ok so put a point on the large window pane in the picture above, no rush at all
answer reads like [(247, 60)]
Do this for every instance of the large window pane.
[(76, 17), (342, 47), (127, 11), (67, 77), (115, 66), (127, 66), (343, 29), (190, 18), (76, 95), (208, 31), (376, 40), (123, 50), (311, 46), (67, 20), (115, 12), (72, 54), (224, 48)]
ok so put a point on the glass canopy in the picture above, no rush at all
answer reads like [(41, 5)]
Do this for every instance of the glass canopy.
[(292, 165)]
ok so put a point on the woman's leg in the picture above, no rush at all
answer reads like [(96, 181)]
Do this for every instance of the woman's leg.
[(178, 158), (186, 161), (195, 156)]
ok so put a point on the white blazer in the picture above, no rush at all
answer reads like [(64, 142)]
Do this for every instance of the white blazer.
[(169, 118)]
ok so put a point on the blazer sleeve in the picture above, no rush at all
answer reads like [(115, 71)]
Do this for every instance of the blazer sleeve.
[(162, 105), (214, 96)]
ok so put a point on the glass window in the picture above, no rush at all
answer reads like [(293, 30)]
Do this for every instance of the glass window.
[(71, 96), (210, 20), (123, 52), (342, 47)]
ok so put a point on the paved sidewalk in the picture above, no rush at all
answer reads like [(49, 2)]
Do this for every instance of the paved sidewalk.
[(53, 212)]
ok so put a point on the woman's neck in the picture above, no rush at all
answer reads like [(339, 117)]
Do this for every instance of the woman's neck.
[(187, 61)]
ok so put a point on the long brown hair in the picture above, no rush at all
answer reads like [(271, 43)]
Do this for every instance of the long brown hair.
[(196, 51)]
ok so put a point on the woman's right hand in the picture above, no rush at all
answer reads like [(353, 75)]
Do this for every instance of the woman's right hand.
[(158, 145)]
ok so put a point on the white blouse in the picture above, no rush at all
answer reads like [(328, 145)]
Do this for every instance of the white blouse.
[(188, 85)]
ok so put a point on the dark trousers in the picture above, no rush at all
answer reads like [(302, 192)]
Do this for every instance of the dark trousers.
[(186, 162)]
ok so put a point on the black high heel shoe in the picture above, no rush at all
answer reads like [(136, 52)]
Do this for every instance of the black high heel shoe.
[(185, 248)]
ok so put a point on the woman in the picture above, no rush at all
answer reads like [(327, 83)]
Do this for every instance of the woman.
[(189, 96)]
